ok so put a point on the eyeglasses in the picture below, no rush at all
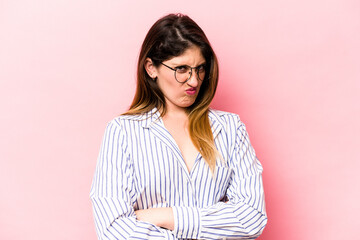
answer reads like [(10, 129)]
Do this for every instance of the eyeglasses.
[(183, 73)]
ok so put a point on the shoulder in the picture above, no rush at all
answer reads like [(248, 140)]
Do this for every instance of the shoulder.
[(122, 128)]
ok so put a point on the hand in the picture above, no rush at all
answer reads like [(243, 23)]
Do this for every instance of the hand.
[(161, 217)]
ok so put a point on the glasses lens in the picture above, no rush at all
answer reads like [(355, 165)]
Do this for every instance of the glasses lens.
[(182, 73), (201, 72)]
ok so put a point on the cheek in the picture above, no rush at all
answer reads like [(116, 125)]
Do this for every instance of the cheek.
[(168, 85)]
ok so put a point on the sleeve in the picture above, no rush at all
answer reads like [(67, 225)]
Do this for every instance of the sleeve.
[(243, 216), (113, 195)]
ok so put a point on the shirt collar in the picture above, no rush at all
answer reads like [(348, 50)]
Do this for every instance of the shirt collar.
[(216, 122), (153, 116)]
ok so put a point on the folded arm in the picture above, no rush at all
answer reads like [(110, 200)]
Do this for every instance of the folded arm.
[(243, 216), (113, 194)]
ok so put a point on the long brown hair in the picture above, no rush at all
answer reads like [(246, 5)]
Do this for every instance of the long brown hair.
[(169, 37)]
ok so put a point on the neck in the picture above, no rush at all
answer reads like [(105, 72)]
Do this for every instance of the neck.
[(175, 112)]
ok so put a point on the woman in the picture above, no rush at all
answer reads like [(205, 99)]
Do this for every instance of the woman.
[(171, 168)]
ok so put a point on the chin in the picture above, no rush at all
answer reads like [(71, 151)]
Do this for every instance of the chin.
[(187, 105)]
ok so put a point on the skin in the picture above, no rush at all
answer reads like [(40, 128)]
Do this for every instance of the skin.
[(175, 120)]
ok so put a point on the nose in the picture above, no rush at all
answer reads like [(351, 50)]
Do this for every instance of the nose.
[(193, 80)]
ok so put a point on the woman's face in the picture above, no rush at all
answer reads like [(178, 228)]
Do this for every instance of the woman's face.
[(180, 95)]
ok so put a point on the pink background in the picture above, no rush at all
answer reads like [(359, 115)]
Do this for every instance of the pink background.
[(290, 69)]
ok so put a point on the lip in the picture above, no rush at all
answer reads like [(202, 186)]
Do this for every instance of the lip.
[(191, 91)]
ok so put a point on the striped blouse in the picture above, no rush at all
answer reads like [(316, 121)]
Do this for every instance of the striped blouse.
[(140, 166)]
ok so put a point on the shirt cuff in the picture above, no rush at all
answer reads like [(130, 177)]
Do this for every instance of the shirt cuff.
[(186, 222)]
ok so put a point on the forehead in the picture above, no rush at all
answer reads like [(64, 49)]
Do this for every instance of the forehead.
[(191, 56)]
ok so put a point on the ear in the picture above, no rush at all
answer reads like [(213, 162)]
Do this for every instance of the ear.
[(150, 68)]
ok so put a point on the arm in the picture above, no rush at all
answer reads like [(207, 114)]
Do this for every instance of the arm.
[(243, 215), (113, 193), (161, 217)]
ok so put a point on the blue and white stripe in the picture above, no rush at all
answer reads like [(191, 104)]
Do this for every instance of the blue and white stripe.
[(140, 166)]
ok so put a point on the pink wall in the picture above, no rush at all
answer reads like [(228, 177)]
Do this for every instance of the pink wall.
[(291, 69)]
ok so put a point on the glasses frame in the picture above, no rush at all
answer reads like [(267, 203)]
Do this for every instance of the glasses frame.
[(191, 68)]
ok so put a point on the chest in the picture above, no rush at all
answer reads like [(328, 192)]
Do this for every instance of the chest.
[(184, 143), (161, 175)]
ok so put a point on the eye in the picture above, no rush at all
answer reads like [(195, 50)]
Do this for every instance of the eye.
[(182, 69), (201, 68)]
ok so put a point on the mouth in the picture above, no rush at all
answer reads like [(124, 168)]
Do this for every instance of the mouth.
[(191, 91)]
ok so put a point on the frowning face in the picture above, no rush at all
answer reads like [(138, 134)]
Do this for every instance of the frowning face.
[(180, 95)]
